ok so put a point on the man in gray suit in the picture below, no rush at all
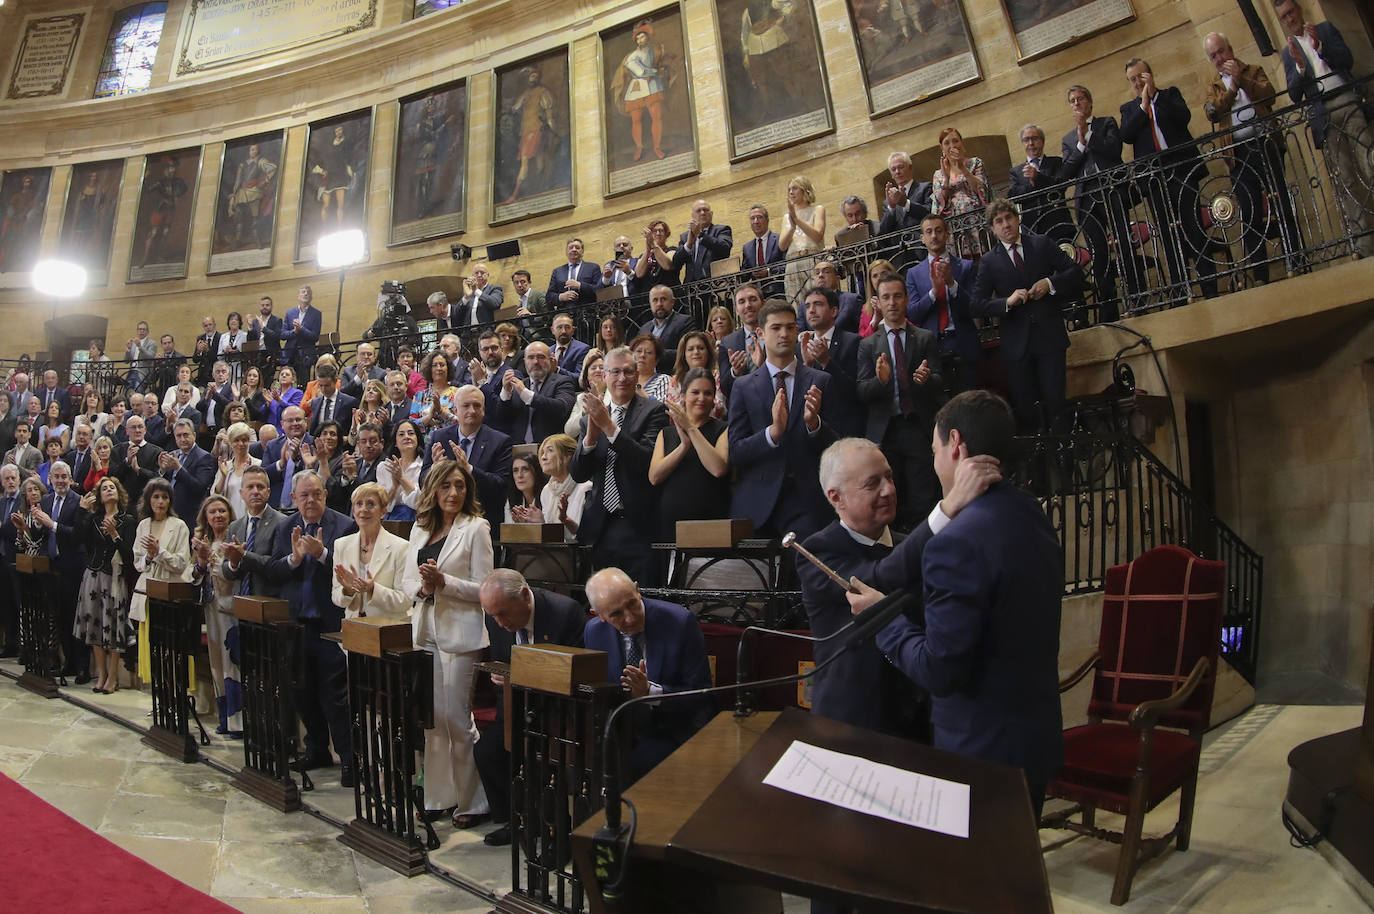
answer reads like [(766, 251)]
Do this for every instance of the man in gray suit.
[(533, 308), (141, 350), (250, 537)]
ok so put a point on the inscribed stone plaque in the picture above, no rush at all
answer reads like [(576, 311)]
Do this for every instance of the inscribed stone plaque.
[(219, 32), (45, 55)]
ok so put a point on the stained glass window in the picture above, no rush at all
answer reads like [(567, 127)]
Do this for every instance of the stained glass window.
[(128, 62), (425, 7)]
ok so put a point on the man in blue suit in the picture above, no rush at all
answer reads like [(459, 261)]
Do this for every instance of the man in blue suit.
[(535, 403), (488, 370), (300, 330), (906, 201), (1026, 281), (825, 347), (568, 351), (826, 274), (303, 566), (1090, 148), (938, 289), (668, 325), (485, 450), (481, 299), (189, 469), (652, 647), (761, 251), (777, 434), (1318, 69), (742, 350), (61, 513), (50, 393), (987, 648), (283, 457), (576, 281), (332, 405)]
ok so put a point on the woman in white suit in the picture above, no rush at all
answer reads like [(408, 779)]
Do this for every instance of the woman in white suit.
[(162, 552), (449, 555), (367, 564)]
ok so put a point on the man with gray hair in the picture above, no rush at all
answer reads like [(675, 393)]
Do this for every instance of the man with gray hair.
[(516, 613), (141, 350), (189, 469), (1045, 211), (9, 594), (181, 409), (439, 309), (219, 393), (62, 514), (135, 461), (905, 200)]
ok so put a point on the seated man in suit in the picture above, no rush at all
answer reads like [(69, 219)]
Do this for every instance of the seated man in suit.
[(62, 514), (742, 350), (938, 289), (331, 405), (354, 468), (516, 614), (761, 251), (987, 647), (668, 325), (133, 462), (568, 351), (303, 567), (905, 202), (536, 403), (901, 387), (652, 647), (189, 469), (615, 446), (481, 299), (1048, 214), (702, 244), (825, 347), (249, 549), (777, 434), (484, 450), (576, 281), (1027, 281)]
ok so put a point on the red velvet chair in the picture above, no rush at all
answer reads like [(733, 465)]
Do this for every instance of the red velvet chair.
[(1153, 677)]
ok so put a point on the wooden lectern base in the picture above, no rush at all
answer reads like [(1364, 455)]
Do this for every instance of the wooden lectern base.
[(404, 856), (180, 746), (42, 686), (283, 796)]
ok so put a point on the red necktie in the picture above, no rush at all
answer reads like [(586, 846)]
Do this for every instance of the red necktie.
[(941, 297), (759, 261), (1154, 136)]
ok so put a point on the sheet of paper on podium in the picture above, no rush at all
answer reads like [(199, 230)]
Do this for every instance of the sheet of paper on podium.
[(856, 783)]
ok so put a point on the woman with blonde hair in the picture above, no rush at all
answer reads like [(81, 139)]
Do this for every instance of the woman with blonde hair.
[(448, 556), (229, 479), (368, 564), (871, 316), (720, 323), (803, 233), (217, 595), (563, 497), (162, 552)]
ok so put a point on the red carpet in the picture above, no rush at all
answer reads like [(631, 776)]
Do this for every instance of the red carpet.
[(51, 862)]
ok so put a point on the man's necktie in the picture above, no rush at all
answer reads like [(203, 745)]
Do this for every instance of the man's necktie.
[(248, 547), (610, 492), (328, 410), (522, 636), (466, 445), (1154, 135), (759, 257), (941, 296), (1016, 257), (899, 369), (308, 609), (56, 513), (634, 649), (781, 378)]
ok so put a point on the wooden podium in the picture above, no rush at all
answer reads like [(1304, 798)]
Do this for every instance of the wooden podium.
[(705, 812)]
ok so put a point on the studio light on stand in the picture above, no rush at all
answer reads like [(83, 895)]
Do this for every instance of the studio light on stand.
[(340, 251), (59, 279)]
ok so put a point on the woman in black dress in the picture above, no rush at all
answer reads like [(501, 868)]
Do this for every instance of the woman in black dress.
[(102, 607), (691, 462)]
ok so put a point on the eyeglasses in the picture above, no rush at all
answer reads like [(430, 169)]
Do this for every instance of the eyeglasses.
[(620, 372)]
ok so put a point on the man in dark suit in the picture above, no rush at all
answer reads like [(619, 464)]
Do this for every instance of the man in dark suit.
[(651, 647), (1046, 211), (938, 290), (1026, 281), (135, 461), (703, 243), (251, 536), (1092, 147), (825, 347), (50, 392), (354, 468), (488, 370), (331, 405), (987, 648), (905, 200), (189, 469), (79, 457), (364, 369), (761, 251), (283, 457), (668, 325), (480, 301), (163, 373), (10, 500), (618, 517), (303, 566), (826, 274), (219, 393), (1318, 68), (397, 400), (181, 409), (742, 350), (900, 385), (154, 422), (531, 306), (777, 434), (855, 211), (1156, 121), (535, 403), (516, 614), (61, 514), (485, 450), (576, 281), (300, 332), (568, 351), (206, 350), (265, 328)]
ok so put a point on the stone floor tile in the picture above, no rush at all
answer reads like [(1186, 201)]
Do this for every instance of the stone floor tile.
[(318, 867)]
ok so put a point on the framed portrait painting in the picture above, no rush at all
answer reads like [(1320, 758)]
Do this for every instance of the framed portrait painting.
[(88, 218), (338, 154), (23, 203), (430, 159), (910, 52), (162, 224), (1041, 26), (648, 130), (776, 90), (246, 203), (532, 171)]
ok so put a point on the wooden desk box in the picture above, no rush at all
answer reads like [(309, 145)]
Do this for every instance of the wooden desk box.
[(507, 314), (531, 533), (376, 636), (250, 346), (262, 609), (713, 534), (400, 528), (32, 564), (171, 591), (555, 667)]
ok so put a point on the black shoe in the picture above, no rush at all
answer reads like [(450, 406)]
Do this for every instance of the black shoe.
[(435, 815), (498, 838), (9, 653), (83, 678), (313, 761), (346, 776)]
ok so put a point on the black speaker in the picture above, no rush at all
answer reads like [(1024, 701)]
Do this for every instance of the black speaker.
[(502, 250)]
